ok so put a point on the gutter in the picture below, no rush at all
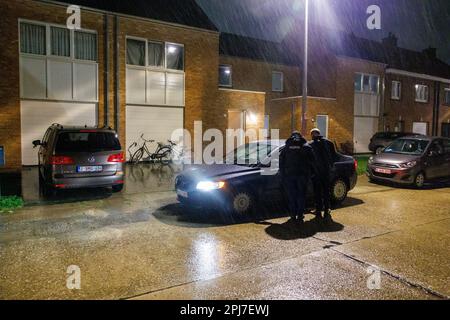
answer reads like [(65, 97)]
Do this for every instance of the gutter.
[(106, 69), (116, 78), (417, 75)]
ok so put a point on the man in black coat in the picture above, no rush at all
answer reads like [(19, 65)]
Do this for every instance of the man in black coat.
[(296, 161), (325, 157)]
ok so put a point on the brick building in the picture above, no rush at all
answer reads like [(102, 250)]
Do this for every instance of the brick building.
[(144, 68)]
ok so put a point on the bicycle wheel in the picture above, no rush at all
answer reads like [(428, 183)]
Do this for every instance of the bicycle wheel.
[(137, 156), (164, 155)]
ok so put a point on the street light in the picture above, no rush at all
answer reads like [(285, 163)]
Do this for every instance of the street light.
[(305, 71)]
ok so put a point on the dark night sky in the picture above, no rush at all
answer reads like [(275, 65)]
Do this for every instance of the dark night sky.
[(417, 23)]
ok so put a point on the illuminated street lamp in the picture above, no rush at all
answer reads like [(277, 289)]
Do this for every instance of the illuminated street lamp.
[(305, 70)]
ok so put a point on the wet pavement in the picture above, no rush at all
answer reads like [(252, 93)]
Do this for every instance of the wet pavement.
[(143, 245)]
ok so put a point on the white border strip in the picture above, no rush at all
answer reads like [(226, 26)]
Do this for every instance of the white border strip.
[(309, 97), (243, 91), (417, 75)]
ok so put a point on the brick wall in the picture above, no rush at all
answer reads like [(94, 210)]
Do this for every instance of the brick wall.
[(444, 109)]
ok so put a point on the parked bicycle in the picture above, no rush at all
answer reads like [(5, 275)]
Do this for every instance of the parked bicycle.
[(162, 154)]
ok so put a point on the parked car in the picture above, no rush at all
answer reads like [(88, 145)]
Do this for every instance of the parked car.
[(80, 157), (237, 187), (412, 161), (381, 140)]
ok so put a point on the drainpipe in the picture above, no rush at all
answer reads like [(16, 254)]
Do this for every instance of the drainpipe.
[(106, 71), (437, 91), (382, 104), (117, 74)]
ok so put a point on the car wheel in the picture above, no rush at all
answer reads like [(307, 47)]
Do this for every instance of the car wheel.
[(339, 190), (242, 204), (117, 187), (419, 180), (379, 150)]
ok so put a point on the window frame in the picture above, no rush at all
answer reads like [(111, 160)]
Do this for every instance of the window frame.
[(48, 52), (146, 66), (447, 94), (231, 75), (282, 80), (370, 75), (399, 84), (416, 90)]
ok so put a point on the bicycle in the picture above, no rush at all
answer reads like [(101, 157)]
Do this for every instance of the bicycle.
[(162, 153)]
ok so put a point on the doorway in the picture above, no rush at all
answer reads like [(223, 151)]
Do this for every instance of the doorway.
[(236, 121)]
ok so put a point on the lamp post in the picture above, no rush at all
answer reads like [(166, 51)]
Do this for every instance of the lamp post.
[(305, 71)]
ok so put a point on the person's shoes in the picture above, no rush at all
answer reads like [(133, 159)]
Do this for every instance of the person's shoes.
[(317, 213), (327, 215), (300, 220)]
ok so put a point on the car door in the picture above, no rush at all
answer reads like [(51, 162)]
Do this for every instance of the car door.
[(436, 160), (43, 147), (271, 178), (446, 143)]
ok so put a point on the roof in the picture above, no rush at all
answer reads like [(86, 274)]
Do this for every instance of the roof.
[(184, 12), (393, 56), (255, 49)]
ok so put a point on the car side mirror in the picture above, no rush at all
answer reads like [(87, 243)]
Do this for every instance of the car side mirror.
[(37, 143)]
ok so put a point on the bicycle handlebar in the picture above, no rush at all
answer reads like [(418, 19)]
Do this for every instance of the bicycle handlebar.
[(149, 141)]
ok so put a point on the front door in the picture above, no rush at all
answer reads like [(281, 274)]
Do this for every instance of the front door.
[(236, 121)]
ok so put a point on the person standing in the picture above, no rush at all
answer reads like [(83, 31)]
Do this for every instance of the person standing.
[(296, 160), (325, 156)]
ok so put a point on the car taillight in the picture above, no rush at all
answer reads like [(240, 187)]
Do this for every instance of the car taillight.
[(119, 157), (57, 160), (355, 163)]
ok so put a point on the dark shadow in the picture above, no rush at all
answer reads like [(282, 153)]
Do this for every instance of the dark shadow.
[(350, 202), (291, 230)]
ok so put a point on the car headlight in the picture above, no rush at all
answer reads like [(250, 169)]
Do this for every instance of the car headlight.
[(408, 165), (210, 185), (370, 160)]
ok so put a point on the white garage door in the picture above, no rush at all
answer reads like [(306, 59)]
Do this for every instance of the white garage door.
[(37, 116), (364, 129), (156, 123)]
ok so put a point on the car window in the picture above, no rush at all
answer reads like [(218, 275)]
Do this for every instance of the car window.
[(407, 146), (250, 153), (447, 146), (87, 142), (437, 146)]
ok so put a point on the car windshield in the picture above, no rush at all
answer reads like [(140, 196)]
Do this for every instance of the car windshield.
[(87, 142), (407, 146), (250, 154)]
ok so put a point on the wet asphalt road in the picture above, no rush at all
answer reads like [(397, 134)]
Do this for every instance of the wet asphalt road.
[(142, 246)]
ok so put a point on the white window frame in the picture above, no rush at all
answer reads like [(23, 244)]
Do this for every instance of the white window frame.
[(49, 57), (416, 90), (163, 69), (447, 92), (282, 81), (231, 76), (399, 85), (362, 83)]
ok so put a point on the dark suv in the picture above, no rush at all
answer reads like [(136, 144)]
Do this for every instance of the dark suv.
[(80, 157), (381, 140)]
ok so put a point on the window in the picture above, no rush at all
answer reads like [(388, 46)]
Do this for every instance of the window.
[(277, 81), (322, 125), (60, 41), (447, 96), (85, 46), (396, 90), (225, 76), (135, 52), (174, 56), (421, 93), (367, 83), (156, 54), (32, 38)]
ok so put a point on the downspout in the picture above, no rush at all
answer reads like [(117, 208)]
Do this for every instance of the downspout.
[(117, 74), (106, 71), (383, 114), (437, 91)]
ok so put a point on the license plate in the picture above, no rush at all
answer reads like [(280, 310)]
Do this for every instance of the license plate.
[(385, 171), (89, 169), (182, 193)]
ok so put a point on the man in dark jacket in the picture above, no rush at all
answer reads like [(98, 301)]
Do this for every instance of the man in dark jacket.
[(296, 160), (325, 157)]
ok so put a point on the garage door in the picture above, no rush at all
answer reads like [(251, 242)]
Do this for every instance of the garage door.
[(37, 116), (156, 123), (364, 129)]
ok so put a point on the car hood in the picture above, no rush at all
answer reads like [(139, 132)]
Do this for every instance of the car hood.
[(215, 170), (394, 158)]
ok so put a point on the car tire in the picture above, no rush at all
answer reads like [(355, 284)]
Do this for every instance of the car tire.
[(339, 190), (117, 187), (419, 180), (242, 204)]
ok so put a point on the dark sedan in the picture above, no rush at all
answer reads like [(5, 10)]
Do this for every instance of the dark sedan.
[(412, 161), (250, 177)]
